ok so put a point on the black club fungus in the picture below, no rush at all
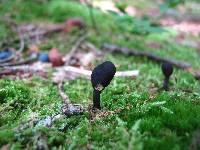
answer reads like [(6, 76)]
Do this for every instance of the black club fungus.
[(101, 78)]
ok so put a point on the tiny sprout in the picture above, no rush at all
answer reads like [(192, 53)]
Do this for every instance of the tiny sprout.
[(167, 70), (101, 78)]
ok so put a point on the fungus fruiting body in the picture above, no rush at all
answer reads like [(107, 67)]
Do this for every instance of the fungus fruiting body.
[(167, 70), (101, 78)]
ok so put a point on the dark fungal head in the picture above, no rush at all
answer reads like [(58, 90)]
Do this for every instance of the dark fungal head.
[(103, 74), (167, 69), (101, 78)]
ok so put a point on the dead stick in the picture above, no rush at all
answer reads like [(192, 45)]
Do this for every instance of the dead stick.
[(132, 52), (132, 73), (13, 70), (26, 61), (62, 94)]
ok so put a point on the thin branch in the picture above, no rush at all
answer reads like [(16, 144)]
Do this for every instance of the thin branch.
[(68, 108), (62, 94), (132, 73), (26, 61), (13, 70)]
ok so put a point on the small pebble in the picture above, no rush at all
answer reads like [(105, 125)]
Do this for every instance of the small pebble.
[(43, 57), (6, 53)]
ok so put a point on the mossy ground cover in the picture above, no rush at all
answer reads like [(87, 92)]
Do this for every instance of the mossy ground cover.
[(156, 120)]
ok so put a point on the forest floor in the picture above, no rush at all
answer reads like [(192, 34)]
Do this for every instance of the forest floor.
[(148, 118)]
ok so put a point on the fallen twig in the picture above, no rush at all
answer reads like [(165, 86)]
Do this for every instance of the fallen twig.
[(68, 108), (22, 62), (132, 52), (25, 69), (132, 73), (64, 97), (70, 73)]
